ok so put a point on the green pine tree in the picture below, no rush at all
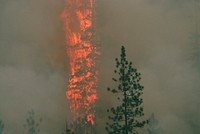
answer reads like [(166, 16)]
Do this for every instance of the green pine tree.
[(124, 118)]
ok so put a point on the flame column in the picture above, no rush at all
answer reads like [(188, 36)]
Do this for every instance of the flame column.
[(78, 18)]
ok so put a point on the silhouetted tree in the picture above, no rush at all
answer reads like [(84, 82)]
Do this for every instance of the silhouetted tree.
[(153, 126), (68, 129), (1, 127), (32, 126), (79, 126), (124, 117)]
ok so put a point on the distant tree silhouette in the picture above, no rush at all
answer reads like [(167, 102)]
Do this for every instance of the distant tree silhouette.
[(79, 126), (124, 118), (153, 126), (68, 129), (32, 126), (1, 127)]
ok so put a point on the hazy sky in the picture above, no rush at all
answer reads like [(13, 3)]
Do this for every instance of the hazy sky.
[(156, 34)]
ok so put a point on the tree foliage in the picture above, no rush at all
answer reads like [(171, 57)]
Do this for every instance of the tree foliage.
[(124, 118)]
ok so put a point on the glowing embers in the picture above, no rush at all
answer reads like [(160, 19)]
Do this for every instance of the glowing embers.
[(81, 92)]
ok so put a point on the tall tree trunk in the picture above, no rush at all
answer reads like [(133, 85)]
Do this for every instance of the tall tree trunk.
[(126, 118)]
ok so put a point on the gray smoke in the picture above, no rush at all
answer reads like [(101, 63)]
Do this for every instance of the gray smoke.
[(33, 63)]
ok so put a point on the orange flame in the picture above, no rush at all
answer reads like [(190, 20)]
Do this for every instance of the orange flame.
[(78, 22)]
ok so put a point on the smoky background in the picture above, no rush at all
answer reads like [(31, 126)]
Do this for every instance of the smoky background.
[(156, 34)]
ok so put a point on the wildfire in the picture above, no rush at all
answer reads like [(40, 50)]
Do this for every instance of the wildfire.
[(78, 18)]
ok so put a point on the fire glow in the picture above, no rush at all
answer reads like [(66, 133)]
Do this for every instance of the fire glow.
[(78, 18)]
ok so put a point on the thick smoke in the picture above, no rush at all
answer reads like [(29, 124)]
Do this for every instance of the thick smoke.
[(155, 33)]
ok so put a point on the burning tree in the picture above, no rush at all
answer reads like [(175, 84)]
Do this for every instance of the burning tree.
[(124, 117), (78, 18)]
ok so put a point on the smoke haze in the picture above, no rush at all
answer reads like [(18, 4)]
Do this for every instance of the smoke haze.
[(33, 63)]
